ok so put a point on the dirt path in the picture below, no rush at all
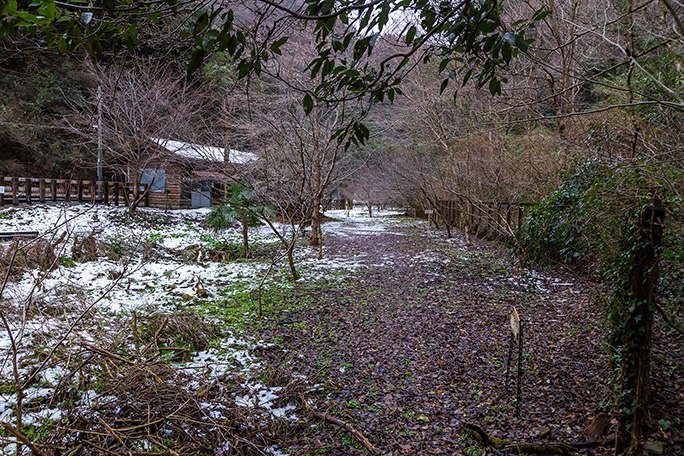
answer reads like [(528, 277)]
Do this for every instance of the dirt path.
[(415, 344)]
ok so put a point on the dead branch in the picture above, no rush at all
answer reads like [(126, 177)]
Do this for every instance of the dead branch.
[(101, 351), (15, 432), (337, 422), (562, 448)]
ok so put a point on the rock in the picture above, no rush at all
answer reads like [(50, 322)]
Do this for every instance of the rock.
[(84, 249), (202, 293), (597, 427), (542, 432), (609, 440), (654, 447), (191, 253)]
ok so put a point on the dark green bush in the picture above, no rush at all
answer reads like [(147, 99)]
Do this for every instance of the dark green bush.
[(559, 228), (586, 223)]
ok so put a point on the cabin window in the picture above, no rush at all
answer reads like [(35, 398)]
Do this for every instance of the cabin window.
[(155, 178)]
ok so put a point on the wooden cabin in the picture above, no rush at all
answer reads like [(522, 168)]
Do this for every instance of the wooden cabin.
[(192, 176)]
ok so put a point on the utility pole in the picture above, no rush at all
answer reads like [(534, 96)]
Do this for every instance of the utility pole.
[(99, 140)]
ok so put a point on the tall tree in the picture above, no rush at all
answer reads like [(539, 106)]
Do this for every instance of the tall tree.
[(138, 109)]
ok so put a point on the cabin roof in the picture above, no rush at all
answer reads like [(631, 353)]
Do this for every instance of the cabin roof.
[(201, 152)]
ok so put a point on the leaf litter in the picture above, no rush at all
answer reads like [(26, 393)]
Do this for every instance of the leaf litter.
[(400, 334)]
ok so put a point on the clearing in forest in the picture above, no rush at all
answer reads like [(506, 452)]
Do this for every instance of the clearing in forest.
[(142, 334)]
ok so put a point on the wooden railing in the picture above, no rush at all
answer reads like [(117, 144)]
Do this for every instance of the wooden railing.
[(482, 217), (27, 190)]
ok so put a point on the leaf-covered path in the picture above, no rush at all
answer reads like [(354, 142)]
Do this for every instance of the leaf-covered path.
[(415, 343)]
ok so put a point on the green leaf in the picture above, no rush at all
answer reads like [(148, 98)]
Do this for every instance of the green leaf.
[(390, 95), (540, 14), (62, 45), (243, 69), (495, 87), (275, 47), (506, 52), (232, 45), (444, 85), (467, 77), (10, 7), (196, 60), (490, 41), (202, 23), (410, 34), (307, 103), (48, 9), (443, 64), (487, 27), (522, 43)]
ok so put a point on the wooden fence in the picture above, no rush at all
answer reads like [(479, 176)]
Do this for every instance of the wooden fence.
[(482, 218), (27, 190)]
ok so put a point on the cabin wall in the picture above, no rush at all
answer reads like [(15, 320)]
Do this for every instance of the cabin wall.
[(170, 197)]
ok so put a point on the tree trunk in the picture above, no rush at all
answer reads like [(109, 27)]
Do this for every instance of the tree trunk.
[(135, 201), (290, 260), (637, 331), (316, 220), (245, 236)]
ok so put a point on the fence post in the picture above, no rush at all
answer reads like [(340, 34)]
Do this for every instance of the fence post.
[(116, 193), (28, 184), (67, 190), (105, 196), (93, 191), (53, 189), (41, 189), (80, 190)]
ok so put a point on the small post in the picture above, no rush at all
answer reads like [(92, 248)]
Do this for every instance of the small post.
[(520, 355), (15, 191), (429, 213), (116, 193), (106, 192), (80, 190), (41, 187), (67, 190), (28, 184), (93, 192), (516, 339), (53, 189)]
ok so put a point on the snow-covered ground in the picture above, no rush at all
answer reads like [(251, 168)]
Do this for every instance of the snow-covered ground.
[(76, 300), (156, 261)]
